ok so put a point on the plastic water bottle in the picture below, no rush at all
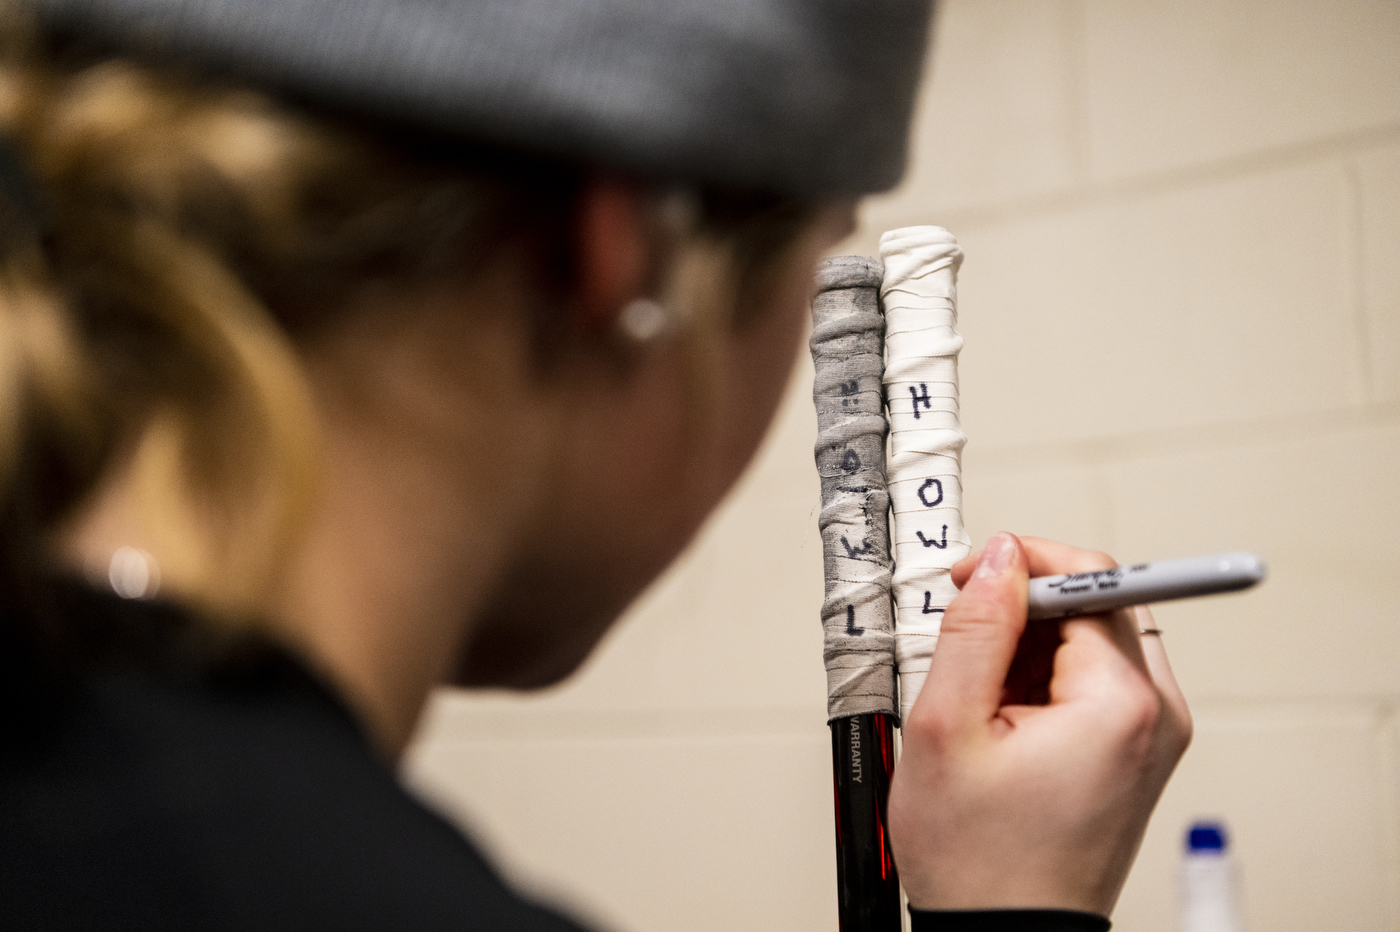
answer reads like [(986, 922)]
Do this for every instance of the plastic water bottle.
[(1209, 898)]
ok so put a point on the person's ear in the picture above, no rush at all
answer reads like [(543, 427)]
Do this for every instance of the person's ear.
[(614, 251)]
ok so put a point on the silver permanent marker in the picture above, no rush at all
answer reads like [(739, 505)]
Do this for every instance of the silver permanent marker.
[(1141, 583)]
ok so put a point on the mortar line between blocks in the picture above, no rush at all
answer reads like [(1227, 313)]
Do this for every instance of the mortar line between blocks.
[(1139, 187), (1090, 452), (1355, 233), (1077, 125), (1387, 741)]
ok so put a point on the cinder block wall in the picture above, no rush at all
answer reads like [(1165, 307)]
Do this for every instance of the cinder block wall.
[(1181, 302)]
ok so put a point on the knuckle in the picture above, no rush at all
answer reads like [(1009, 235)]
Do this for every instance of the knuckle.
[(1094, 560), (1146, 711), (980, 620), (1136, 732), (1138, 711), (968, 617), (929, 727), (1182, 730)]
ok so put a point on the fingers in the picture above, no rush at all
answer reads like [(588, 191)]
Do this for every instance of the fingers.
[(1044, 558), (1028, 681), (1052, 558), (1130, 689), (1100, 655), (1095, 655), (978, 639), (962, 570), (1154, 653)]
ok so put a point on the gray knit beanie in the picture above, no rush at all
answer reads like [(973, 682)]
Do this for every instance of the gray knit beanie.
[(802, 97)]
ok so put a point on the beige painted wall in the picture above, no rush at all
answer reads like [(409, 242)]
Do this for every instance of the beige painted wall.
[(1181, 302)]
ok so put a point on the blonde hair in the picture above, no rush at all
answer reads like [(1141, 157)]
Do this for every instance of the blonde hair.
[(184, 237)]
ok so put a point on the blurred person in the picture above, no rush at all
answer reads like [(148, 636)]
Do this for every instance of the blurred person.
[(352, 348)]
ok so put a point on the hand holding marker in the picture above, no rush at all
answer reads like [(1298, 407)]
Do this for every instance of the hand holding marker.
[(916, 299)]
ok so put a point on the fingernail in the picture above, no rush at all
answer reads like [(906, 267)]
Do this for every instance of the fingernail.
[(996, 556)]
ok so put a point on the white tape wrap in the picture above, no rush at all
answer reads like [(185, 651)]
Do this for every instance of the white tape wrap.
[(857, 625), (919, 294)]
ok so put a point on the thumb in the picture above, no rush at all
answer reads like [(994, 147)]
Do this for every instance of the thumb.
[(978, 638)]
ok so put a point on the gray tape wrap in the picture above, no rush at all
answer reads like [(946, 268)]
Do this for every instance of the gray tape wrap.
[(857, 619)]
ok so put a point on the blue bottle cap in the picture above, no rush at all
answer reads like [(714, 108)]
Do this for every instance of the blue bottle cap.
[(1206, 837)]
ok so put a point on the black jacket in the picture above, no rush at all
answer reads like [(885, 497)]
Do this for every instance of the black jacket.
[(172, 779)]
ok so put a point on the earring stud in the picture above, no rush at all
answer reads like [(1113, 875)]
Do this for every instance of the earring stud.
[(133, 574), (643, 320)]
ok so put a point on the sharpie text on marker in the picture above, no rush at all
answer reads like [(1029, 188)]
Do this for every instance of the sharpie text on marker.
[(1142, 583)]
